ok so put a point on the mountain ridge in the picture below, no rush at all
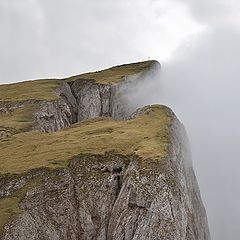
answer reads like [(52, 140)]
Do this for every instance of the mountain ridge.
[(61, 155)]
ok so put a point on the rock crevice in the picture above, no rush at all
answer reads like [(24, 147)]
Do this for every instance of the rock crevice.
[(78, 101), (106, 196)]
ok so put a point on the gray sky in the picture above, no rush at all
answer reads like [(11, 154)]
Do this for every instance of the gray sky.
[(197, 43), (52, 38), (203, 79)]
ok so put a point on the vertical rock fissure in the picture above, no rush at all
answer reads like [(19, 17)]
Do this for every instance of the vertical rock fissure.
[(101, 100), (170, 204), (75, 108), (119, 185), (110, 101), (105, 101), (117, 172), (118, 176), (79, 229)]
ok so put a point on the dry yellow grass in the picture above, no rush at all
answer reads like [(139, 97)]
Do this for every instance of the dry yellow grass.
[(18, 120), (8, 207), (146, 135), (37, 89), (44, 89), (115, 74)]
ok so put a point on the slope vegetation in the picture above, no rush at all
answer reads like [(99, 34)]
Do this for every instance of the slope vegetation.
[(77, 162)]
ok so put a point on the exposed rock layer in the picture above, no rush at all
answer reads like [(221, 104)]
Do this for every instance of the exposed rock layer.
[(111, 196), (78, 101), (104, 197)]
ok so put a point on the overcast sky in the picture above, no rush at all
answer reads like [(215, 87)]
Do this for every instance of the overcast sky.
[(197, 43), (59, 38)]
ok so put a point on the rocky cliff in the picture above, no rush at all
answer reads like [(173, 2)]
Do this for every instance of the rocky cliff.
[(78, 162)]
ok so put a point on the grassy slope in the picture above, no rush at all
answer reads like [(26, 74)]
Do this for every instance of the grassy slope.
[(18, 120), (38, 89), (146, 135), (43, 89), (114, 74), (21, 119)]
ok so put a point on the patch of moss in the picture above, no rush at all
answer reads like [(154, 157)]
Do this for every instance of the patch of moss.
[(9, 206)]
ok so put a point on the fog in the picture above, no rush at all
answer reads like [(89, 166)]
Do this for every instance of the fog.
[(201, 85), (46, 39), (197, 43)]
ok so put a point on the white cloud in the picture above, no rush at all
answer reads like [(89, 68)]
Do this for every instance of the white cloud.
[(61, 38)]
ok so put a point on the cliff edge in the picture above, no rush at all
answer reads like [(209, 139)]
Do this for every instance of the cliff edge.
[(78, 162)]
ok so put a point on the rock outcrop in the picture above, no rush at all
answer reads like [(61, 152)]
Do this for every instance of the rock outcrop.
[(80, 99), (111, 195)]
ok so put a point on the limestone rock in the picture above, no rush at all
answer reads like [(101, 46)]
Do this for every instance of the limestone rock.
[(108, 196)]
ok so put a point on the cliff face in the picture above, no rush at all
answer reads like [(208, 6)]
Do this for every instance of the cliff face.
[(117, 180), (78, 101)]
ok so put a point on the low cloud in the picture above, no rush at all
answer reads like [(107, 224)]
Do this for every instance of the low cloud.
[(197, 43), (49, 39), (201, 84)]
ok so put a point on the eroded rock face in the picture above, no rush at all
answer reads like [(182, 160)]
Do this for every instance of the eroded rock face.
[(80, 100), (104, 197), (52, 116), (113, 197), (93, 100), (100, 100)]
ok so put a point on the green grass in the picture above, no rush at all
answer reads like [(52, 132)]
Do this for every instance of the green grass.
[(38, 89), (115, 74), (25, 151)]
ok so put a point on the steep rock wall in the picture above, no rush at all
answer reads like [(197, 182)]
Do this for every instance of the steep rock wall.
[(101, 100), (112, 197), (54, 115), (46, 116), (80, 100), (104, 197)]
